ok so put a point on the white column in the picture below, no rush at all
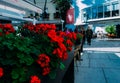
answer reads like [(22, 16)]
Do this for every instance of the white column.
[(51, 17)]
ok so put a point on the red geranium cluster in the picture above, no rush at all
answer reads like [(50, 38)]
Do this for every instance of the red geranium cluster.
[(40, 28), (6, 29), (63, 40), (49, 46), (69, 40), (57, 40), (35, 79), (1, 72), (61, 50), (43, 61)]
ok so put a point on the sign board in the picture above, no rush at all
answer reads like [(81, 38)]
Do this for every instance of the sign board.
[(70, 16)]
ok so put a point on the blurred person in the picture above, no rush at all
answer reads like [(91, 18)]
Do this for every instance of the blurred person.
[(89, 34), (82, 31)]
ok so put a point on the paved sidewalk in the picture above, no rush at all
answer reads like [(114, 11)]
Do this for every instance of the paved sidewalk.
[(101, 63)]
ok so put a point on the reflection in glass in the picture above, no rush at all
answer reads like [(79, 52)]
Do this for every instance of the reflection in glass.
[(94, 12), (115, 9), (89, 15), (107, 11), (100, 12)]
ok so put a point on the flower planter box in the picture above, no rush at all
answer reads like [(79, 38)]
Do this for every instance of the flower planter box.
[(36, 53), (65, 76)]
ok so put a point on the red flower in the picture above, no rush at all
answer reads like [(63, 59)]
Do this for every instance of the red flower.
[(0, 34), (1, 72), (61, 33), (57, 52), (40, 28), (60, 53), (54, 38), (1, 26), (53, 26), (46, 70), (69, 35), (69, 48), (69, 42), (47, 26), (7, 32), (65, 56), (7, 28), (74, 35), (35, 79), (43, 60), (60, 39), (52, 35), (62, 47), (29, 26)]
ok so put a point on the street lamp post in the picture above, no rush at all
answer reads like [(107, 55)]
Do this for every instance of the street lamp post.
[(44, 11), (62, 21), (34, 1)]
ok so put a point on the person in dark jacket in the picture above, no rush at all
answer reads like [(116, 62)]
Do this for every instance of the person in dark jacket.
[(82, 31), (89, 34)]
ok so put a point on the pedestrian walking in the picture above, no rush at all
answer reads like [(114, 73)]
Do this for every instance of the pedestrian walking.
[(82, 31), (89, 34)]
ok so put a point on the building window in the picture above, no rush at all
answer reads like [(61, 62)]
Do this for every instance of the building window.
[(84, 16), (107, 11), (100, 12), (94, 12), (57, 14), (115, 9), (89, 13)]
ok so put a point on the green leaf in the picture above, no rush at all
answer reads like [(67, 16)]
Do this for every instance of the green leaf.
[(19, 75), (54, 64), (52, 74), (0, 30), (20, 55), (15, 81), (23, 76), (14, 74), (29, 61), (8, 62), (62, 66), (22, 79)]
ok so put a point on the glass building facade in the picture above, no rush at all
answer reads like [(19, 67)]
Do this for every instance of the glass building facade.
[(105, 10)]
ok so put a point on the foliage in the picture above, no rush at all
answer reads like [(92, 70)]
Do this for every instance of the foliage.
[(63, 6), (79, 38), (32, 52), (110, 29)]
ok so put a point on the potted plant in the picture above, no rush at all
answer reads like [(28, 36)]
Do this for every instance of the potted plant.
[(32, 52), (111, 31)]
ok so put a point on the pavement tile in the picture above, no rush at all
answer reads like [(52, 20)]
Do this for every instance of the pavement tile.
[(112, 75), (98, 55), (105, 63), (84, 55), (113, 56), (99, 66), (84, 63), (115, 63), (89, 75), (100, 63)]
